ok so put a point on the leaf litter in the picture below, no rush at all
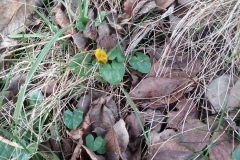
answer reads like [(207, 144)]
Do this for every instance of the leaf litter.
[(175, 94)]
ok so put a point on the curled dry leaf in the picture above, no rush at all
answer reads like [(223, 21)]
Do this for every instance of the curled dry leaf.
[(113, 20), (156, 87), (77, 151), (63, 21), (90, 31), (92, 155), (186, 110), (13, 15)]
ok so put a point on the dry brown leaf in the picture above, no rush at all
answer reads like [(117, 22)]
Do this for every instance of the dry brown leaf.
[(122, 134), (16, 82), (85, 100), (108, 42), (148, 6), (101, 115), (77, 151), (49, 88), (194, 135), (90, 31), (112, 142), (163, 4), (129, 5), (218, 91), (234, 99), (91, 154), (186, 110), (180, 68), (79, 40), (112, 18), (222, 148), (156, 87), (169, 151), (134, 126), (63, 21), (13, 15)]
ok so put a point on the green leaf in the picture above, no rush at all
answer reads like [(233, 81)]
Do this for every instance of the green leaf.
[(81, 64), (100, 18), (72, 119), (116, 52), (113, 73), (82, 22), (140, 62), (98, 143), (35, 98), (102, 150), (236, 153), (90, 142)]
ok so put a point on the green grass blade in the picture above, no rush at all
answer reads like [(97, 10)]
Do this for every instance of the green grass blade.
[(34, 67), (35, 35), (129, 100)]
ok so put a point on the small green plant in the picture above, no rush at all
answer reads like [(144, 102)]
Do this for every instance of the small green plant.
[(35, 98), (98, 144), (100, 18), (111, 64), (83, 19), (140, 62), (72, 119), (236, 153)]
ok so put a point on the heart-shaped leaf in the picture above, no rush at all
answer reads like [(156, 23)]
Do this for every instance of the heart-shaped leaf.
[(116, 52), (97, 144), (236, 153), (113, 73), (72, 119), (90, 142), (140, 62)]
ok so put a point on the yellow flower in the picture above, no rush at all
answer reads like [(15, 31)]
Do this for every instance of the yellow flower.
[(101, 56)]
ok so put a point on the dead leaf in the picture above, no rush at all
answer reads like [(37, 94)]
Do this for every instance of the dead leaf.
[(103, 30), (85, 100), (121, 134), (101, 115), (194, 135), (234, 99), (90, 31), (163, 4), (77, 151), (222, 148), (83, 127), (92, 155), (178, 68), (157, 137), (169, 151), (186, 110), (16, 82), (113, 20), (134, 126), (79, 40), (148, 6), (133, 8), (112, 142), (108, 42), (218, 91), (14, 14), (154, 87), (49, 88), (63, 21)]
